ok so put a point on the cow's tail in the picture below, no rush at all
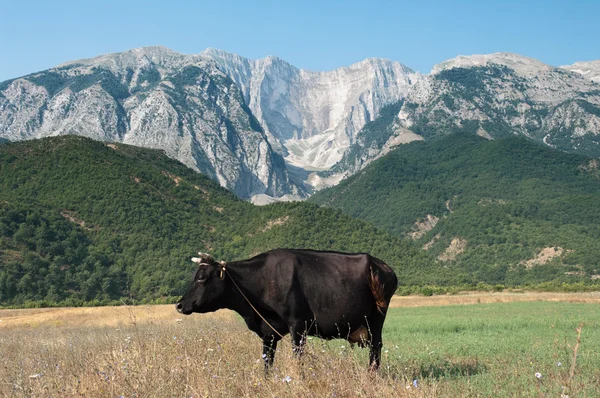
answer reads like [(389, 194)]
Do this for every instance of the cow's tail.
[(377, 289)]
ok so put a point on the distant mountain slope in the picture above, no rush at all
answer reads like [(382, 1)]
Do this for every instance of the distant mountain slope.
[(315, 116), (508, 208), (156, 98), (492, 96), (201, 110), (85, 220), (500, 94)]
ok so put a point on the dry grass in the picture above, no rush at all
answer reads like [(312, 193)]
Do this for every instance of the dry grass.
[(94, 316), (486, 298), (115, 316), (199, 356)]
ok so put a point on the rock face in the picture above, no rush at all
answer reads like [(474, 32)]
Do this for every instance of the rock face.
[(374, 140), (151, 97), (499, 94), (314, 117)]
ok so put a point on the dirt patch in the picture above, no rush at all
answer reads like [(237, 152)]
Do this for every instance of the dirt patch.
[(592, 167), (71, 216), (218, 209), (113, 146), (173, 177), (545, 256), (432, 242), (575, 273), (457, 246), (448, 207), (484, 134), (204, 191), (271, 223), (420, 228), (11, 255)]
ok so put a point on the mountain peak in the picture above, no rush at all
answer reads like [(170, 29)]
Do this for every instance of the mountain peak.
[(215, 52), (132, 58), (519, 63)]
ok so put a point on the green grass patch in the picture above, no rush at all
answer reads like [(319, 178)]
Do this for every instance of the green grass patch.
[(495, 349)]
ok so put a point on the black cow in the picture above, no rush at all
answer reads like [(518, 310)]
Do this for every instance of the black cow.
[(302, 292)]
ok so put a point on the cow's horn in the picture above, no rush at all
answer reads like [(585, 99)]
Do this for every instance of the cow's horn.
[(205, 256)]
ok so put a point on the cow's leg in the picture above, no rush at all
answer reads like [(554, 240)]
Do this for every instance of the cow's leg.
[(375, 355), (269, 347), (376, 327)]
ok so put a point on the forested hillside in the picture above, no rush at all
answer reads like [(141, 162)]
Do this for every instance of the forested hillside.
[(82, 220), (506, 211), (85, 221)]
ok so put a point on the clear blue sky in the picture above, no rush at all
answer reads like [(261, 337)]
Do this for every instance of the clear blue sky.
[(316, 35)]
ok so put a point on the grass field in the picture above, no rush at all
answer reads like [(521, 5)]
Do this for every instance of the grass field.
[(490, 348)]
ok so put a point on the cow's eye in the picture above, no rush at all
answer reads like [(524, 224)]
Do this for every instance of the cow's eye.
[(202, 279)]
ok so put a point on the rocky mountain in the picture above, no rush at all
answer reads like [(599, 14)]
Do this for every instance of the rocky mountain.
[(492, 96), (266, 129), (313, 117), (228, 117), (500, 94), (375, 139), (155, 98)]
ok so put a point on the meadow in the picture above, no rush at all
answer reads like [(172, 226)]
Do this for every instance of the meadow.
[(503, 344)]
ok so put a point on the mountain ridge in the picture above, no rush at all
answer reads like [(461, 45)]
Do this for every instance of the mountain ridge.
[(141, 104), (266, 129)]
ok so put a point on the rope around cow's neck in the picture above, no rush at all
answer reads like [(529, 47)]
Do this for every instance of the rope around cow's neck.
[(224, 269)]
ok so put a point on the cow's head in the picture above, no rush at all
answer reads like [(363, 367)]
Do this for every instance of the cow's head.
[(207, 289)]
